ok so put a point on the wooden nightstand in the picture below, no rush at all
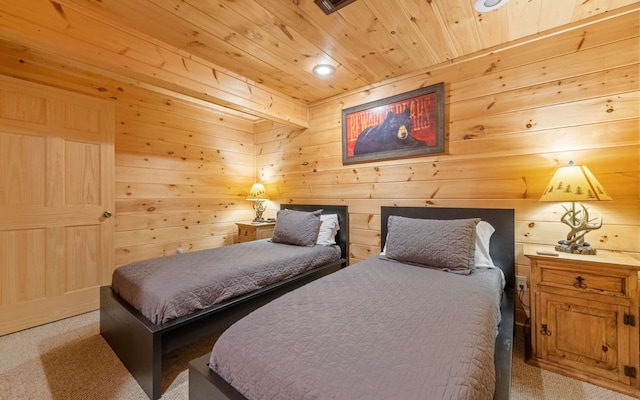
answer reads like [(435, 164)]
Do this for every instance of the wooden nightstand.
[(584, 317), (248, 231)]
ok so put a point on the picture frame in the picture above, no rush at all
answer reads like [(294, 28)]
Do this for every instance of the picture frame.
[(405, 125)]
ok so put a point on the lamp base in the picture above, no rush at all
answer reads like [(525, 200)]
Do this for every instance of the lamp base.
[(575, 248), (259, 208)]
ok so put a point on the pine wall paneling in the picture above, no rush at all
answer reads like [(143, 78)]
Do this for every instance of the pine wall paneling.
[(183, 167), (182, 174), (513, 116)]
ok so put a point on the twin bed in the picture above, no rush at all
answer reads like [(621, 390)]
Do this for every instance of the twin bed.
[(386, 327), (156, 306)]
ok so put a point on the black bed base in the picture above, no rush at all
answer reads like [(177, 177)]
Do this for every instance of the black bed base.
[(204, 384), (140, 344)]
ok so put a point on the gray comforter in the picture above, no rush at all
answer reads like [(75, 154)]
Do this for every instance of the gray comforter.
[(171, 287), (376, 330)]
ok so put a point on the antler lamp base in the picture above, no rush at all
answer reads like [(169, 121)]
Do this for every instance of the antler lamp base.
[(259, 207), (576, 248), (580, 223)]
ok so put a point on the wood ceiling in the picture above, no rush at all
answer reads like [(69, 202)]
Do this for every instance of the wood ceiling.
[(274, 44)]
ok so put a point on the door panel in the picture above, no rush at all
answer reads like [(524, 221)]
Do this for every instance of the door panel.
[(23, 170), (82, 173), (23, 257), (56, 181), (586, 335), (590, 334)]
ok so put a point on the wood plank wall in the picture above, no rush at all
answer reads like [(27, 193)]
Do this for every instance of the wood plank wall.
[(182, 176), (183, 167), (513, 117)]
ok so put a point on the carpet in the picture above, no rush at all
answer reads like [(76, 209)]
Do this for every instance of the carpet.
[(69, 360)]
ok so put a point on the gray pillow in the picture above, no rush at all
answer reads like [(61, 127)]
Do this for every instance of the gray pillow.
[(299, 228), (442, 244)]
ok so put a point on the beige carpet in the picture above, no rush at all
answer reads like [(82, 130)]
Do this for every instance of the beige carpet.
[(69, 359)]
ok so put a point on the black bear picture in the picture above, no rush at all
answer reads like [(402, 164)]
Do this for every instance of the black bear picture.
[(404, 125), (392, 134)]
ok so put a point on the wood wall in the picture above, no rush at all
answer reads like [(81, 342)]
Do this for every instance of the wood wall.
[(182, 166), (513, 117), (182, 176)]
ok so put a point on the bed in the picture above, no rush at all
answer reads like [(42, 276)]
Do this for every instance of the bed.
[(288, 360), (140, 335)]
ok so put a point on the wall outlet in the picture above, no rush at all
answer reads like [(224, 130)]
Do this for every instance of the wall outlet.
[(521, 283)]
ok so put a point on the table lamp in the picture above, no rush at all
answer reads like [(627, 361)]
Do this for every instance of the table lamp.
[(257, 194), (575, 183)]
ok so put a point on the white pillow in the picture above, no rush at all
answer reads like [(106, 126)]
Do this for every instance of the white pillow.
[(328, 229), (484, 230)]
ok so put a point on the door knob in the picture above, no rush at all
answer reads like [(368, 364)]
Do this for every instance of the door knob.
[(107, 214)]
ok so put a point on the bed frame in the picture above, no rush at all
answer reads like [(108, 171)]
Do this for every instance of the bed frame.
[(204, 384), (140, 344)]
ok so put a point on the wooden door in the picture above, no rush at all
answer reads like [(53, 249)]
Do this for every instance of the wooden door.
[(56, 183), (586, 336)]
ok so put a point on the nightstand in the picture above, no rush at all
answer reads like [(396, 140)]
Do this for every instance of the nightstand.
[(584, 317), (248, 231)]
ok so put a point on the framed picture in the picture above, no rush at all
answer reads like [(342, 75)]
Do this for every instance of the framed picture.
[(404, 125)]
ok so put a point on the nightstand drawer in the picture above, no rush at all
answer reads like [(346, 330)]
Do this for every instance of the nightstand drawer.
[(249, 231), (246, 235), (583, 281)]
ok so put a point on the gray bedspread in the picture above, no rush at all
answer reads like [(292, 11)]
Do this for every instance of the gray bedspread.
[(170, 287), (375, 330)]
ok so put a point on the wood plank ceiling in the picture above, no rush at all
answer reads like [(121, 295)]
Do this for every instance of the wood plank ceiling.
[(276, 43)]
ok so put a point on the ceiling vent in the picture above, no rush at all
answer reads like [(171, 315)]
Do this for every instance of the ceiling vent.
[(330, 6)]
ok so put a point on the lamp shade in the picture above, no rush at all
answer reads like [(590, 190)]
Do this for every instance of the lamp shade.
[(574, 183), (257, 192)]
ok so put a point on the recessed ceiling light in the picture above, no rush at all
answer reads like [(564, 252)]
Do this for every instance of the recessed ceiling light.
[(488, 5), (324, 69)]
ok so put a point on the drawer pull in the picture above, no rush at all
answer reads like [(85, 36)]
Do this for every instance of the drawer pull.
[(579, 284), (544, 331)]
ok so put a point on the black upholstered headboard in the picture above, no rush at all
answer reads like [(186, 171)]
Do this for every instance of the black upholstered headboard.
[(502, 246), (342, 238)]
